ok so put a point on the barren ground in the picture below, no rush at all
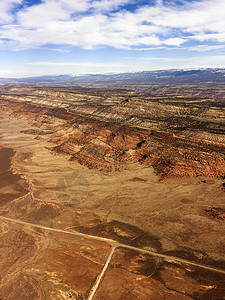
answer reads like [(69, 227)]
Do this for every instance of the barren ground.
[(149, 206)]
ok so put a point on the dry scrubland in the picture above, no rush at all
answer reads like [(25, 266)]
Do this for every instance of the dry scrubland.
[(127, 180)]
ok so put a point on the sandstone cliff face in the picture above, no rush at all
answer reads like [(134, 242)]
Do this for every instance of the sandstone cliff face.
[(105, 131)]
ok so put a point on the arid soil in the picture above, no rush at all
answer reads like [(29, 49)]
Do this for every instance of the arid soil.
[(132, 171)]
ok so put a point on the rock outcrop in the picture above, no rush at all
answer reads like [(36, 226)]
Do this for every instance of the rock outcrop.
[(105, 131)]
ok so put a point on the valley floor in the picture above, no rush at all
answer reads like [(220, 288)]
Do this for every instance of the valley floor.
[(73, 232)]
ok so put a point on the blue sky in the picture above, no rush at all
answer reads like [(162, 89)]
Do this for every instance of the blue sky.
[(97, 36)]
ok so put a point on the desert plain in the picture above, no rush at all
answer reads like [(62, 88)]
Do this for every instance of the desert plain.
[(110, 194)]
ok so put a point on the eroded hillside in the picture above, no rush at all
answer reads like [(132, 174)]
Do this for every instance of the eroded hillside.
[(178, 136)]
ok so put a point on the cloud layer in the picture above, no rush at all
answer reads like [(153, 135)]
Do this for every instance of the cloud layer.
[(123, 24)]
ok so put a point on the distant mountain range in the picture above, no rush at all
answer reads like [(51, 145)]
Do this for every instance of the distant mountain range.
[(181, 76)]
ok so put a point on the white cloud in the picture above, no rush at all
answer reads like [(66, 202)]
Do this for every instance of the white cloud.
[(107, 5), (39, 16), (201, 48), (211, 61), (75, 5), (72, 63), (90, 24), (218, 37), (5, 11)]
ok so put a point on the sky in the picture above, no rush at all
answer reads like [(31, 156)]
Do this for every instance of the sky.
[(51, 37)]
